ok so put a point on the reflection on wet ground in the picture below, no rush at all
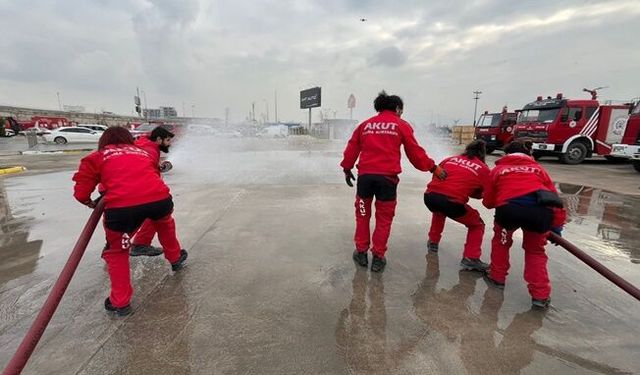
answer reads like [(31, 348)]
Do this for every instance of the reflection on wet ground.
[(19, 254), (608, 221)]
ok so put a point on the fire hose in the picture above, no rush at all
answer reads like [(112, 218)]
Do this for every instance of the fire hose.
[(30, 341), (597, 266)]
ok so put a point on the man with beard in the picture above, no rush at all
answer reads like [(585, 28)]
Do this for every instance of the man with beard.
[(159, 140)]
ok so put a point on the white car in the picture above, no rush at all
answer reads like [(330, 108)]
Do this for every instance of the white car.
[(73, 134), (96, 127)]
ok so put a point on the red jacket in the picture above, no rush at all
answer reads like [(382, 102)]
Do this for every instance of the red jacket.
[(516, 175), (377, 142), (150, 147), (466, 178), (128, 174)]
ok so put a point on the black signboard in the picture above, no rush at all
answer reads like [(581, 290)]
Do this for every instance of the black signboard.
[(310, 98)]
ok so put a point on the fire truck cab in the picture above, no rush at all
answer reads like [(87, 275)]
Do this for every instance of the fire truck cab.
[(572, 129), (496, 129)]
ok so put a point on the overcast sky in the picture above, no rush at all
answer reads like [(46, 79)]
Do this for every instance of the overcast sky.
[(214, 54)]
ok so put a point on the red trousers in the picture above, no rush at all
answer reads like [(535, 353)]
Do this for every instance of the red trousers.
[(145, 234), (535, 259), (385, 211), (117, 257), (475, 230)]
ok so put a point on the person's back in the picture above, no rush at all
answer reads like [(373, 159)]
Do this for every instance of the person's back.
[(466, 177), (128, 176)]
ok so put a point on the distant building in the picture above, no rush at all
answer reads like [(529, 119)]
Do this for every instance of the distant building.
[(73, 108), (162, 112)]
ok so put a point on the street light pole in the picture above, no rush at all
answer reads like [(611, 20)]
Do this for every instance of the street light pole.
[(475, 108), (59, 101)]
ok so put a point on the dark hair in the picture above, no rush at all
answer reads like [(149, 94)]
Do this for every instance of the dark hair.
[(523, 147), (115, 135), (160, 132), (386, 102), (476, 149)]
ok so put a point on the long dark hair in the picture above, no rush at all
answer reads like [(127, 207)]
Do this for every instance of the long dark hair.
[(115, 136), (476, 149)]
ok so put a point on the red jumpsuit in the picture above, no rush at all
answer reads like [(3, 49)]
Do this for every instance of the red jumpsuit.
[(466, 177), (134, 192), (375, 143), (511, 190), (144, 235)]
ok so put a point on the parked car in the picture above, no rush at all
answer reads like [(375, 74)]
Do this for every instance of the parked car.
[(72, 135), (96, 127), (35, 129)]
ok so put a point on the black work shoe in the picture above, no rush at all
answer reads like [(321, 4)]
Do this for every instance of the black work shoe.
[(540, 303), (377, 264), (119, 311), (492, 282), (146, 250), (360, 257), (472, 264), (432, 246), (178, 264)]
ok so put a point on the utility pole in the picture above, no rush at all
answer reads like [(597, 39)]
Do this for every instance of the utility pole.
[(59, 101), (276, 105), (226, 117), (253, 111), (475, 108)]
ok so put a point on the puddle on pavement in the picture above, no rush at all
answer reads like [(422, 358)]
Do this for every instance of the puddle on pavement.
[(19, 254), (607, 222)]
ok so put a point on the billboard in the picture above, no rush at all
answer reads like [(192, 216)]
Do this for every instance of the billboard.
[(310, 98)]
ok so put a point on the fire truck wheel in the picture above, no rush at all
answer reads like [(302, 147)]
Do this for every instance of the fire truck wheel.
[(60, 140), (636, 165), (575, 154)]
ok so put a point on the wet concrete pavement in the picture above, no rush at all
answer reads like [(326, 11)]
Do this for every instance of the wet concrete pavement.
[(270, 287)]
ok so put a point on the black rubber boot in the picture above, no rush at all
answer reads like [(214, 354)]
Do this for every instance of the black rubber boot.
[(180, 262), (361, 258), (470, 264), (119, 311), (542, 304), (492, 282), (378, 264), (146, 250), (432, 246)]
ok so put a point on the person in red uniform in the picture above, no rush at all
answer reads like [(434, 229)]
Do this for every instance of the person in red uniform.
[(375, 144), (159, 140), (133, 192), (467, 174), (524, 197)]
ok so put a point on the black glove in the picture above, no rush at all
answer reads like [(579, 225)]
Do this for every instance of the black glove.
[(165, 166), (558, 231), (348, 177)]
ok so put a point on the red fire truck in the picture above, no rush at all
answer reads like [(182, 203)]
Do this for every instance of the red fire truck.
[(629, 148), (496, 129), (573, 129), (44, 122)]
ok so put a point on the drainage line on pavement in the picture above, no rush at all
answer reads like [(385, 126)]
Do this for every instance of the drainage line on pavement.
[(597, 266), (30, 341)]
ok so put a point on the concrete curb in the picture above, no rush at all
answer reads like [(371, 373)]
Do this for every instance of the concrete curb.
[(74, 151), (11, 170)]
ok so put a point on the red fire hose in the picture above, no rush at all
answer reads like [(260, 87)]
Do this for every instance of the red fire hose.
[(34, 334), (597, 266)]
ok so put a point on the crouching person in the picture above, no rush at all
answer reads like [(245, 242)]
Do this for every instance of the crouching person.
[(134, 192), (467, 174), (525, 198)]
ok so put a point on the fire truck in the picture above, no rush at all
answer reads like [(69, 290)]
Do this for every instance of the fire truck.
[(629, 148), (496, 129), (44, 122), (573, 129)]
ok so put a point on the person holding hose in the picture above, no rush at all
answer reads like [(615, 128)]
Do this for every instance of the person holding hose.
[(375, 144), (525, 198), (159, 140), (133, 193), (467, 175)]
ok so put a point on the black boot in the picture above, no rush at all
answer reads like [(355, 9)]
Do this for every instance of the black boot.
[(360, 257), (147, 250), (378, 264), (540, 303), (432, 246), (492, 282), (119, 311), (472, 264), (178, 264)]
